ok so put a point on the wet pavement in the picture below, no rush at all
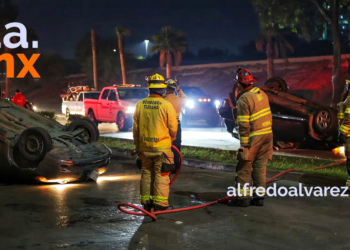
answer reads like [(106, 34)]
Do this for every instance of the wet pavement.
[(84, 216)]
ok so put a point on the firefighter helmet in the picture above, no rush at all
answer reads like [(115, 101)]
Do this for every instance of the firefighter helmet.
[(244, 76), (347, 84), (170, 83), (156, 81)]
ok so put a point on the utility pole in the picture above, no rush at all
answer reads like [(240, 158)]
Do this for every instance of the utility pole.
[(93, 45)]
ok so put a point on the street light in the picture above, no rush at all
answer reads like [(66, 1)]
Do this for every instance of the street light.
[(146, 42)]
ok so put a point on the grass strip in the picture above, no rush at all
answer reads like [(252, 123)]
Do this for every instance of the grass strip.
[(229, 157)]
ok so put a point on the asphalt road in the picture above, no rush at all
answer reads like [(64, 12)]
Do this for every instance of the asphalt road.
[(200, 135), (84, 216), (217, 137)]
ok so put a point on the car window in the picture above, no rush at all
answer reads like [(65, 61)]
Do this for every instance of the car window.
[(105, 94), (125, 94), (80, 99), (112, 96), (193, 91), (92, 95)]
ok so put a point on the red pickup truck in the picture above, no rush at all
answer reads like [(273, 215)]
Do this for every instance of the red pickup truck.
[(115, 104)]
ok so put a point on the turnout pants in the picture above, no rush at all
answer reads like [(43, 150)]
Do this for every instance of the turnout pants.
[(155, 183), (251, 167), (177, 141), (347, 154), (177, 144)]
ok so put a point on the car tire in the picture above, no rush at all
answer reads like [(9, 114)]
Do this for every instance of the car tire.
[(325, 120), (122, 122), (92, 117), (91, 132), (34, 143), (276, 83)]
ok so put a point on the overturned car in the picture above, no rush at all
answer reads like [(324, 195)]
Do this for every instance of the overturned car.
[(295, 120), (33, 147)]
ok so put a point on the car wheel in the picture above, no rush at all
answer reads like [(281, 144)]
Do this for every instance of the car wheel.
[(122, 122), (67, 114), (325, 120), (90, 131), (276, 83), (92, 117), (34, 143)]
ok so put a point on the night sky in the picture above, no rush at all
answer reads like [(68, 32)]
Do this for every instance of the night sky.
[(60, 24)]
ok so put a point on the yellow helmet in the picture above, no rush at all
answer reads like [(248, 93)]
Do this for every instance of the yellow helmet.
[(156, 82)]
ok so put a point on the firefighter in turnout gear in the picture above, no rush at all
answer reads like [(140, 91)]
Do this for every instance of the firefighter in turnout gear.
[(254, 120), (344, 127), (178, 103), (154, 129)]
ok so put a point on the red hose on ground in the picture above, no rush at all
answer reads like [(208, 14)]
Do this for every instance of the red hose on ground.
[(153, 214)]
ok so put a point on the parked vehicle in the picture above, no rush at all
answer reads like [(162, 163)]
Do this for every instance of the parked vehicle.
[(199, 106), (115, 104), (33, 147), (295, 119), (75, 106)]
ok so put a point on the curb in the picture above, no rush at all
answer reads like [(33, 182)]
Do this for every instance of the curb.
[(314, 180)]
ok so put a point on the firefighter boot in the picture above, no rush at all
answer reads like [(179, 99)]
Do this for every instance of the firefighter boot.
[(147, 207), (160, 208), (243, 202), (257, 202)]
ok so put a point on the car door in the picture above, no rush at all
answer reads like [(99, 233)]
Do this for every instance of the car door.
[(103, 108), (114, 105)]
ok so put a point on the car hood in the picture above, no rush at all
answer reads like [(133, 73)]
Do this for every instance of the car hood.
[(130, 102)]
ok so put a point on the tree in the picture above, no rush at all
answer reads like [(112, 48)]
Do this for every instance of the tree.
[(307, 17), (108, 61), (329, 9), (273, 41), (278, 19), (169, 43), (120, 33)]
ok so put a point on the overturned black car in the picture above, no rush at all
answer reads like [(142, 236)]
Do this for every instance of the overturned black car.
[(296, 121), (33, 147)]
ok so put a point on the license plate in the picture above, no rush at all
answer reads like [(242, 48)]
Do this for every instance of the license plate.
[(93, 175)]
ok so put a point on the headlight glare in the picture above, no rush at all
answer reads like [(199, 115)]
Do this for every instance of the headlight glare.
[(130, 110), (190, 104)]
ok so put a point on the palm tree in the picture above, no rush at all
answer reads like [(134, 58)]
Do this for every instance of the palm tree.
[(273, 41), (170, 43), (120, 33)]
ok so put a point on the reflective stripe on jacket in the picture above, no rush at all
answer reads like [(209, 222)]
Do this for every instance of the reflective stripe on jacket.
[(253, 114), (344, 116), (155, 124), (177, 101)]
